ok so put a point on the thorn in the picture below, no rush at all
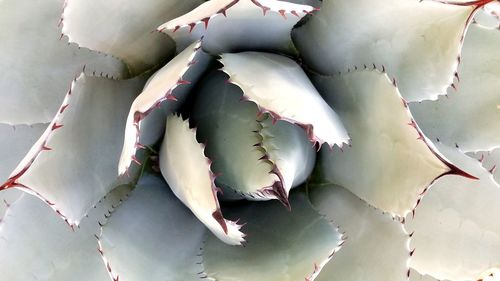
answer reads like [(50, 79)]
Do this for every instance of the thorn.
[(205, 21), (176, 28), (282, 13), (183, 82), (56, 126), (139, 146), (293, 12), (171, 97), (492, 170), (46, 148), (191, 26), (63, 108), (135, 160)]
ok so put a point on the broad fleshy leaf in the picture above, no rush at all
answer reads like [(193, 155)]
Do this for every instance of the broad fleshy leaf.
[(164, 93), (389, 162), (152, 236), (124, 28), (235, 25), (455, 234), (187, 172), (375, 248), (417, 42), (16, 142), (36, 245), (74, 162), (469, 116), (37, 62), (280, 87), (255, 158), (281, 245)]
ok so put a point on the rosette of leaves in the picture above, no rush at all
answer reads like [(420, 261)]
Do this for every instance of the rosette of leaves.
[(249, 140)]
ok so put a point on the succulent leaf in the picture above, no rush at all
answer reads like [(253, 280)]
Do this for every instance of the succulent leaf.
[(256, 159), (417, 42), (37, 62), (152, 236), (123, 28), (281, 245), (451, 228), (375, 248), (396, 160), (16, 142), (74, 162), (281, 88), (235, 25), (37, 245), (469, 116), (187, 172), (163, 94)]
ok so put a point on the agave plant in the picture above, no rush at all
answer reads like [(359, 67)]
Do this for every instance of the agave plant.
[(249, 140)]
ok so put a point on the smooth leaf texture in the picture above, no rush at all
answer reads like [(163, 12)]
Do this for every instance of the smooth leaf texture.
[(124, 28), (455, 234), (417, 42), (280, 87), (282, 245), (375, 248), (389, 162), (152, 236), (74, 162), (16, 142), (255, 159), (37, 245), (187, 172), (163, 94), (37, 62), (235, 25), (468, 117)]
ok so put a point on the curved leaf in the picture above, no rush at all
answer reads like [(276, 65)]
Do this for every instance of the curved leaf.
[(235, 25), (187, 172), (281, 245), (390, 162), (469, 116), (375, 247), (454, 237), (74, 162), (256, 159), (36, 245), (281, 88), (152, 236), (417, 42), (164, 93), (37, 62), (124, 28)]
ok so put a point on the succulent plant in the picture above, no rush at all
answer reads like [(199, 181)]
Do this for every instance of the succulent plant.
[(249, 140)]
